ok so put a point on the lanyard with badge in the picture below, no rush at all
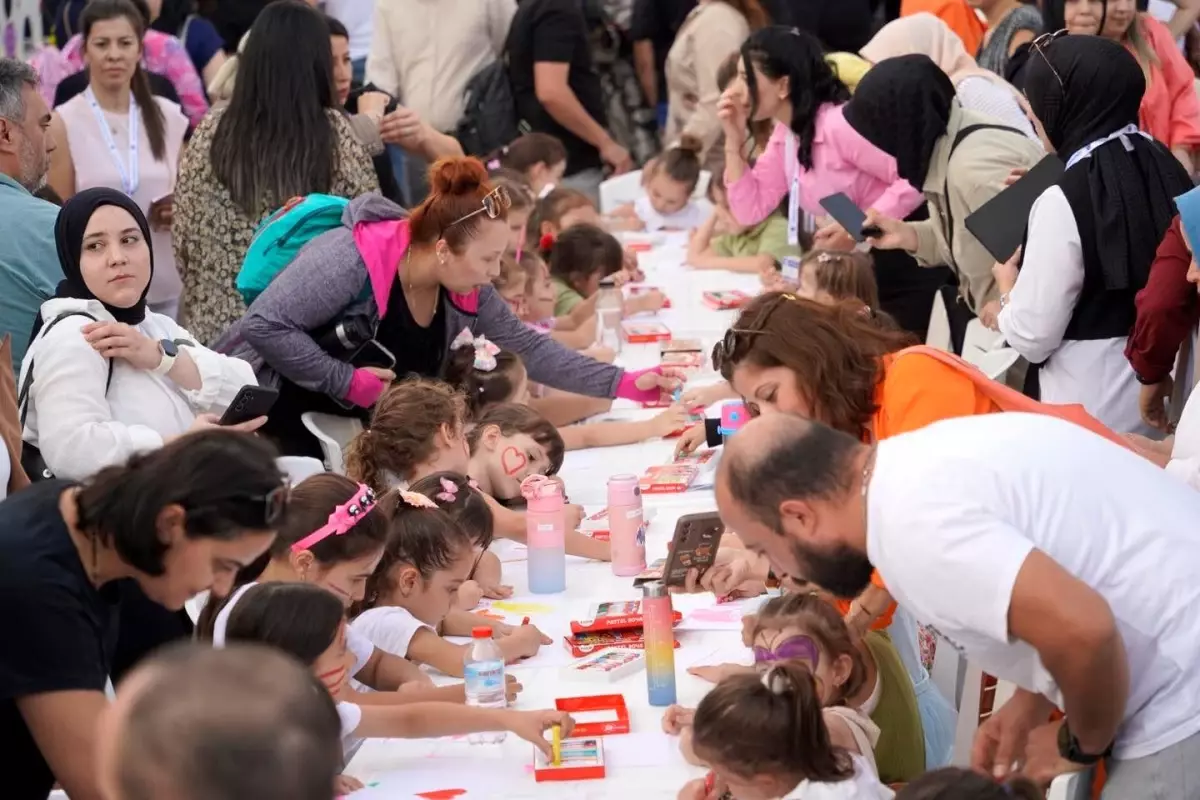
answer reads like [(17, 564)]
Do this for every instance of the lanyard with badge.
[(790, 265), (129, 177)]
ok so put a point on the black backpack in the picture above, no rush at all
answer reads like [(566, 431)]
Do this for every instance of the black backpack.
[(31, 457), (490, 115)]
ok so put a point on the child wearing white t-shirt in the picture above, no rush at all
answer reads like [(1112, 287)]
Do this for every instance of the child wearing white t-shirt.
[(670, 181), (765, 737), (332, 538), (427, 557), (309, 624)]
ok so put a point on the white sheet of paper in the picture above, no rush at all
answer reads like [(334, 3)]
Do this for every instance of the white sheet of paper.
[(650, 749), (476, 778)]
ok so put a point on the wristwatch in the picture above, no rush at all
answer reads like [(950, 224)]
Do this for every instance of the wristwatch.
[(169, 353), (1068, 748)]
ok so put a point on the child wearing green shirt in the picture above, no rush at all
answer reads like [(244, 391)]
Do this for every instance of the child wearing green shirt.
[(723, 243)]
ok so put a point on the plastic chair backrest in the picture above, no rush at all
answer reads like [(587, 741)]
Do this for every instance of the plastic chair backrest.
[(334, 433), (938, 334)]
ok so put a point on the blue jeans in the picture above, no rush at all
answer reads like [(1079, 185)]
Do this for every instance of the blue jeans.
[(359, 67), (400, 170)]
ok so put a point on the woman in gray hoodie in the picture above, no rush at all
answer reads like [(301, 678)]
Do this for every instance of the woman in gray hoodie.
[(414, 281)]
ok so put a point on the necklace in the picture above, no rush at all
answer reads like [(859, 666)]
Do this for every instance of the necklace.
[(410, 286)]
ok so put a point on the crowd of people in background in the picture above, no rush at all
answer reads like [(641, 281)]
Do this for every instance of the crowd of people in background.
[(389, 212)]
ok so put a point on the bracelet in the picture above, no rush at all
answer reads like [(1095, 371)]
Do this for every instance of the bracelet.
[(1003, 301)]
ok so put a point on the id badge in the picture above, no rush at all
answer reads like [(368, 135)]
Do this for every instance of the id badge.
[(789, 268)]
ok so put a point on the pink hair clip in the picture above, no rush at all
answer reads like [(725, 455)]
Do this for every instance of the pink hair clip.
[(485, 351), (417, 500), (343, 518), (449, 491), (473, 484)]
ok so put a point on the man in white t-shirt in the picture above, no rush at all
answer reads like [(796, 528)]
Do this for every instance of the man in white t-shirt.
[(1049, 556)]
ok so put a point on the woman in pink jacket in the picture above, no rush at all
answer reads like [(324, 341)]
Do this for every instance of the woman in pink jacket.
[(814, 153)]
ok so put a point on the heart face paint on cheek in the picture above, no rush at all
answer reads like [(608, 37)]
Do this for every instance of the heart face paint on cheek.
[(512, 461), (333, 679)]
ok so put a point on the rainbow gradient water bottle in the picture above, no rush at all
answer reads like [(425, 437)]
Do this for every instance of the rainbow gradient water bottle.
[(658, 628), (545, 534), (626, 526)]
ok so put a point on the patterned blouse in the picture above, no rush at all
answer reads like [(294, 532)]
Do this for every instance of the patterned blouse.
[(212, 234)]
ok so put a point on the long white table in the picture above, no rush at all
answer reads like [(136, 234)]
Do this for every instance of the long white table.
[(644, 763)]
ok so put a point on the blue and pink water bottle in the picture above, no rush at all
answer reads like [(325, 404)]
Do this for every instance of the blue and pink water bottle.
[(658, 630), (545, 534)]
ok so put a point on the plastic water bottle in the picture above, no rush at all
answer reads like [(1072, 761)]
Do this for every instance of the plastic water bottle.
[(658, 628), (609, 306), (483, 668), (545, 534), (626, 528)]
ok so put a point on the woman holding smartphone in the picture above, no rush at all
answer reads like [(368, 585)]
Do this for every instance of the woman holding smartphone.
[(118, 135)]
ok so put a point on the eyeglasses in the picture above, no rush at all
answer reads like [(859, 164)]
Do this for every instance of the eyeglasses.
[(1040, 43), (732, 348), (275, 505), (493, 204)]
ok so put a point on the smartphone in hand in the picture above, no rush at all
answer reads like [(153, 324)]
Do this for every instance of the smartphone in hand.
[(250, 403)]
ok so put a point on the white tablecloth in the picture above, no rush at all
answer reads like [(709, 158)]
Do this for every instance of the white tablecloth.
[(644, 763)]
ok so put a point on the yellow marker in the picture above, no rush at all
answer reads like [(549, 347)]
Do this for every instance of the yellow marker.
[(556, 745)]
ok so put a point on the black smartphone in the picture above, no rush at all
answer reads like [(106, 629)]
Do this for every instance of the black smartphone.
[(251, 402), (849, 216), (694, 546), (373, 354)]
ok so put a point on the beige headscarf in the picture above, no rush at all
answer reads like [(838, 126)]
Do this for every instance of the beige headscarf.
[(928, 35)]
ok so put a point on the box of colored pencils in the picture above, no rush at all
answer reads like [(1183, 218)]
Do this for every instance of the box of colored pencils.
[(723, 301), (606, 666), (584, 644), (580, 758), (642, 289), (644, 332), (621, 615), (596, 715), (668, 479)]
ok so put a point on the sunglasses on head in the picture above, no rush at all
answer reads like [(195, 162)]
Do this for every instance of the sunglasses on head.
[(736, 343), (494, 203), (1040, 43)]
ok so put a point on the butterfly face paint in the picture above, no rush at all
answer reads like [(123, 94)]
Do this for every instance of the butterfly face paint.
[(794, 648)]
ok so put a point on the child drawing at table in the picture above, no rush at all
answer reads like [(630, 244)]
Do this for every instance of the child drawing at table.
[(427, 557), (864, 675), (333, 537), (418, 427), (310, 624), (767, 736), (456, 494), (510, 284), (579, 258), (557, 210), (488, 377), (669, 182), (576, 329), (522, 202), (539, 158), (724, 243)]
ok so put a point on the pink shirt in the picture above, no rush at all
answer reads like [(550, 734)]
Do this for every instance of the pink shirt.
[(843, 161)]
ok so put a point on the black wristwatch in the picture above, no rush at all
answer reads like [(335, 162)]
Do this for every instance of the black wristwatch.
[(1068, 748)]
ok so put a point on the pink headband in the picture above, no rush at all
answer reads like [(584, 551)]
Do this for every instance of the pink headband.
[(343, 518)]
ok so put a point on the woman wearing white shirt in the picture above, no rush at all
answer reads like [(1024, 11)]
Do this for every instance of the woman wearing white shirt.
[(977, 89), (118, 134), (104, 376), (1091, 239)]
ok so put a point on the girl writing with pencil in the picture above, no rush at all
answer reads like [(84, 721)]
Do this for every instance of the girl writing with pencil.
[(426, 559)]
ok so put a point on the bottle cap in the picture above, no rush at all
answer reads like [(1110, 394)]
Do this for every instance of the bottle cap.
[(654, 589), (481, 632), (608, 283)]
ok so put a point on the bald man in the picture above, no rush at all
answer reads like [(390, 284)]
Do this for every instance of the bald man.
[(241, 723), (1050, 556)]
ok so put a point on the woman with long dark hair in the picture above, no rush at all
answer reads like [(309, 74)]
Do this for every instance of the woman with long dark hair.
[(117, 134), (280, 137), (167, 525), (812, 154)]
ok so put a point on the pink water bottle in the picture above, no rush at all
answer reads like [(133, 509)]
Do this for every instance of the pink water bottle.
[(626, 526), (733, 416), (545, 534), (658, 630)]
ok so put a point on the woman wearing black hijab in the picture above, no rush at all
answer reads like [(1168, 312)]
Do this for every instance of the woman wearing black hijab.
[(104, 376), (1091, 239), (959, 159)]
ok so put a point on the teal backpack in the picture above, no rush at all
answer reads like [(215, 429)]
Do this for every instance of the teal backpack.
[(281, 236)]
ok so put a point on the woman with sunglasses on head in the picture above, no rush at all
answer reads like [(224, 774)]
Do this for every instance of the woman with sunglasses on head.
[(399, 289), (907, 107), (1091, 238), (784, 79), (169, 523)]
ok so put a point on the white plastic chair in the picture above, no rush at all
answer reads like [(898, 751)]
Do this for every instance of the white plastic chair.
[(938, 334), (1074, 786), (622, 189), (334, 433)]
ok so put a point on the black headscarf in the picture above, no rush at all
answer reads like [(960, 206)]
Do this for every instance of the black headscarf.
[(69, 229), (902, 106), (1122, 194)]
